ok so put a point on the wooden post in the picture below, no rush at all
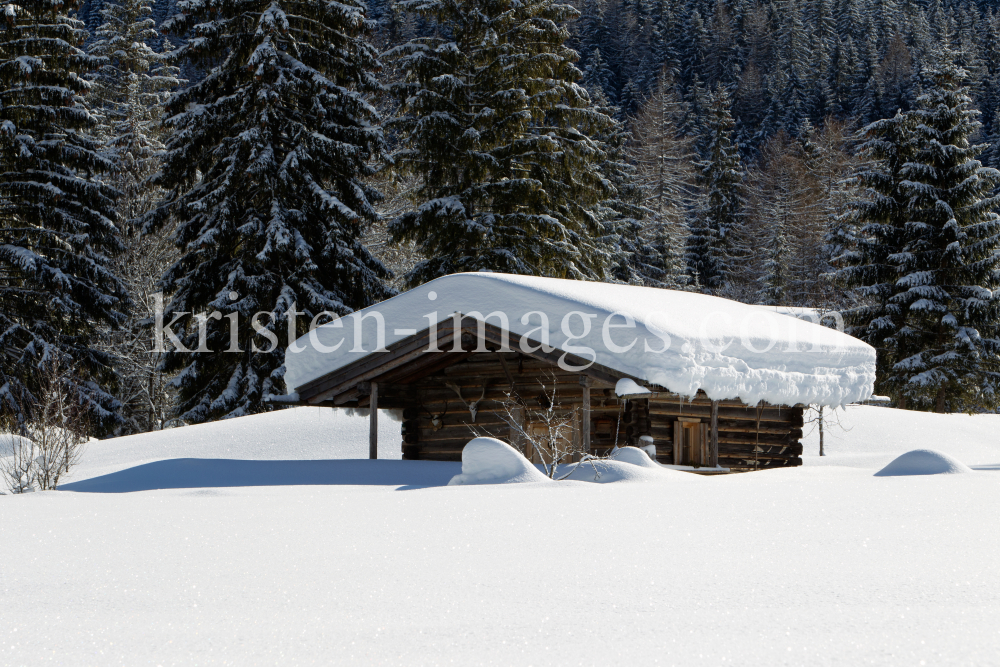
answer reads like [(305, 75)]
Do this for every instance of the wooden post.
[(585, 414), (821, 453), (373, 421), (713, 445), (678, 442)]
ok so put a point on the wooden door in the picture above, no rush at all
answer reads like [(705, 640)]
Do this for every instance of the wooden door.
[(690, 443)]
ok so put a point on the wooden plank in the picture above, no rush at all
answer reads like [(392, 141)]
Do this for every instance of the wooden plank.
[(678, 442), (506, 371), (421, 367), (703, 400), (373, 421), (585, 413), (704, 412), (703, 453), (374, 370), (595, 371), (713, 444), (351, 372)]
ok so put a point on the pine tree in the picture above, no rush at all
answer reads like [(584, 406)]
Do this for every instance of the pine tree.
[(773, 281), (710, 243), (664, 32), (948, 346), (795, 64), (829, 162), (597, 78), (623, 215), (501, 139), (593, 29), (696, 44), (130, 89), (723, 53), (868, 240), (664, 170), (128, 94), (57, 233), (265, 173), (778, 236)]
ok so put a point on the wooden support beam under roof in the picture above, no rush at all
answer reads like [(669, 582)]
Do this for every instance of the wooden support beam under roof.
[(373, 421), (404, 362)]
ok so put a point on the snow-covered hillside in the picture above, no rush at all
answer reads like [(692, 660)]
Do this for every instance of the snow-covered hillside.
[(346, 564)]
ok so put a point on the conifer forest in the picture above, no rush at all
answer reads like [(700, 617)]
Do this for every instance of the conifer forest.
[(241, 170)]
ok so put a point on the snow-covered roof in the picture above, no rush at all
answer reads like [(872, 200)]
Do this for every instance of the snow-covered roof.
[(679, 340)]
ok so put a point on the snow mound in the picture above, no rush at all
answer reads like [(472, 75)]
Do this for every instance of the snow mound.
[(923, 462), (629, 387), (628, 464), (635, 456), (492, 461), (611, 471)]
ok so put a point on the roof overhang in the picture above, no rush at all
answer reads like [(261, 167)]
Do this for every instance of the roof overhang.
[(430, 350)]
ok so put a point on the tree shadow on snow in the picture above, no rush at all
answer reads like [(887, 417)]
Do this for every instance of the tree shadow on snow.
[(209, 473)]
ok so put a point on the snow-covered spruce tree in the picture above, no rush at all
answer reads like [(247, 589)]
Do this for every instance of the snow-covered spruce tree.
[(773, 280), (56, 220), (129, 90), (128, 93), (663, 160), (265, 176), (623, 215), (950, 260), (710, 244), (502, 140), (867, 241)]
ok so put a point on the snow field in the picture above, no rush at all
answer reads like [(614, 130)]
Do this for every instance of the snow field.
[(871, 437), (358, 562), (290, 434), (789, 567)]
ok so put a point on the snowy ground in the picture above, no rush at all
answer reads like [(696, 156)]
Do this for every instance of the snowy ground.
[(824, 564), (870, 437)]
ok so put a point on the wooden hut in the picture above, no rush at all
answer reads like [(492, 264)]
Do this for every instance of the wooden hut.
[(465, 374)]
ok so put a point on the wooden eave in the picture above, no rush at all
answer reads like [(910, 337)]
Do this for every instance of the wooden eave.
[(408, 360)]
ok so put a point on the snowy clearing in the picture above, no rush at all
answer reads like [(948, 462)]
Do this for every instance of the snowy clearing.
[(813, 565), (871, 437)]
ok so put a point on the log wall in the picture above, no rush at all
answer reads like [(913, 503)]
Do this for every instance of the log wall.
[(437, 424), (749, 438)]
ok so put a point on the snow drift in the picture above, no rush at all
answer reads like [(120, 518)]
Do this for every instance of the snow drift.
[(635, 456), (492, 461), (627, 464), (679, 340), (923, 462)]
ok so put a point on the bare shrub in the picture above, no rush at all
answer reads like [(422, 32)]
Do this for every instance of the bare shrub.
[(17, 462), (547, 430), (52, 441)]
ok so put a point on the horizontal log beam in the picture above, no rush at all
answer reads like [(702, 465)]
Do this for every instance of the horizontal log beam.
[(734, 414)]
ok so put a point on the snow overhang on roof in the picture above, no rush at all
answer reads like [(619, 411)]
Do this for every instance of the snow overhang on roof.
[(679, 340)]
